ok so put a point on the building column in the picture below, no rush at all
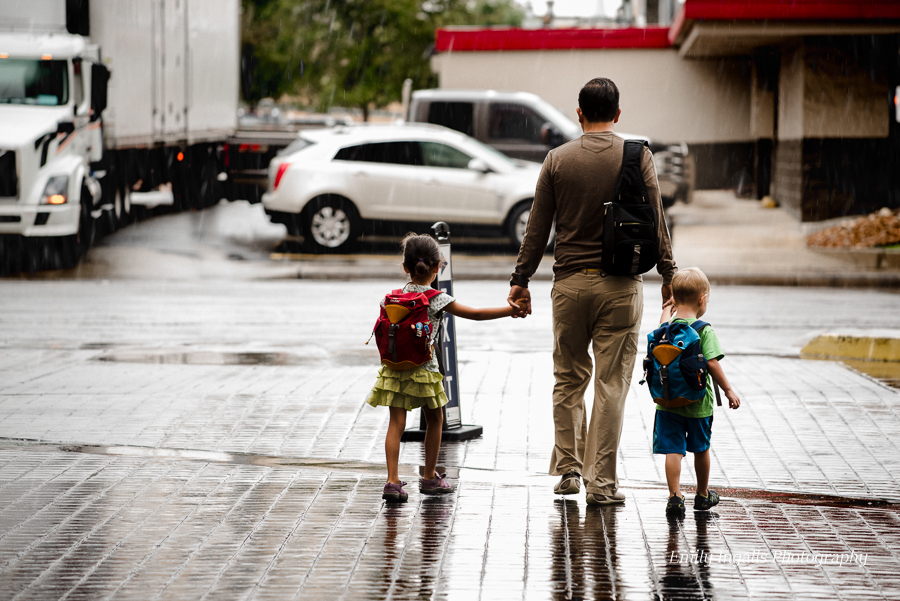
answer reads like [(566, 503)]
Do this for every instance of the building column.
[(834, 154)]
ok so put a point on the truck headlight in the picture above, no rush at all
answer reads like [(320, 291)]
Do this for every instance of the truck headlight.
[(56, 192)]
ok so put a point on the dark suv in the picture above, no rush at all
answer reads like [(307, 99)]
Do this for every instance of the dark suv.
[(524, 126)]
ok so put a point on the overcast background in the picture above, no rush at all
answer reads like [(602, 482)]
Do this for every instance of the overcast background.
[(575, 8)]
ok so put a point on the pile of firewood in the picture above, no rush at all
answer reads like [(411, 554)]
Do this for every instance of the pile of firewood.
[(878, 229)]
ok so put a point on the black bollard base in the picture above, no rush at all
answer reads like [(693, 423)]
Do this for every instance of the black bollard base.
[(464, 432)]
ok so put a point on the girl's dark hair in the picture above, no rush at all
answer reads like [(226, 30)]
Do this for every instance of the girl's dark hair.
[(420, 254)]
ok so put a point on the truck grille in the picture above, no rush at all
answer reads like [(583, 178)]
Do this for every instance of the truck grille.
[(9, 180)]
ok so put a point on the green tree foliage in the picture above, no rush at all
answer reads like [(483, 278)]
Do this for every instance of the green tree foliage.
[(350, 52)]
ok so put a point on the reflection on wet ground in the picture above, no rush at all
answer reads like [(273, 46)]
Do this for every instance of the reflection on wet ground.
[(200, 357), (412, 471), (887, 372), (128, 522)]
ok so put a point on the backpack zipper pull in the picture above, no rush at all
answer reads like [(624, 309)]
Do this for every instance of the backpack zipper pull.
[(370, 338)]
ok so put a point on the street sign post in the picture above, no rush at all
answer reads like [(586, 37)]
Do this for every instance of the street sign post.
[(445, 348)]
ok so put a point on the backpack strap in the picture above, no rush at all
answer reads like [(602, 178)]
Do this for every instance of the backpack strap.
[(699, 325), (631, 179)]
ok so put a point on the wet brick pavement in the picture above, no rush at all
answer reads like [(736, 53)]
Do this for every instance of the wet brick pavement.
[(211, 474)]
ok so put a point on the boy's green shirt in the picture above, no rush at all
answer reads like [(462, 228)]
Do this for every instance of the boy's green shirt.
[(709, 344)]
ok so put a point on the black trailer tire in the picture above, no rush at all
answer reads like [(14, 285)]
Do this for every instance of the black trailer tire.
[(332, 225), (122, 206), (207, 189)]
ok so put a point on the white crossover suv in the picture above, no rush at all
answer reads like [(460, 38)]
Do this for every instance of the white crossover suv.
[(331, 185)]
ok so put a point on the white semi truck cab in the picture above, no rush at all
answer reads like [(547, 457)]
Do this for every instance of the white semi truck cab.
[(105, 105), (52, 96)]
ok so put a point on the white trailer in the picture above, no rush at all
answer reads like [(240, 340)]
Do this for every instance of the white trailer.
[(105, 105)]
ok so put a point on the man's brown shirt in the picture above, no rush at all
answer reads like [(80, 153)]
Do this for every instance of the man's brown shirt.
[(577, 179)]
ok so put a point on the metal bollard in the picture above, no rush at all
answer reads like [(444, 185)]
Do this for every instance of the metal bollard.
[(446, 351)]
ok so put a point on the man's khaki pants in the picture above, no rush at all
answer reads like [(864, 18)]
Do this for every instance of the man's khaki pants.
[(590, 308)]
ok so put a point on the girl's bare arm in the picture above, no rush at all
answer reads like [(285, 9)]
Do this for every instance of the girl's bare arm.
[(465, 312)]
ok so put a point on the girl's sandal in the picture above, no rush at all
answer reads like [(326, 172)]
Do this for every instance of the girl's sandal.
[(436, 486), (394, 493)]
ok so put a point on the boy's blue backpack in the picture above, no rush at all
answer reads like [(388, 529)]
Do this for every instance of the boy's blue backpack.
[(675, 367)]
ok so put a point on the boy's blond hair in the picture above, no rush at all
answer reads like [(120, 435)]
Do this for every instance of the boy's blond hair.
[(688, 285)]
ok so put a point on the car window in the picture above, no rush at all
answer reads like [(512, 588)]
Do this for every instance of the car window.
[(515, 122), (395, 153), (455, 115), (436, 154), (298, 144)]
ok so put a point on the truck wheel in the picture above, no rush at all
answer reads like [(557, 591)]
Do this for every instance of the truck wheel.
[(86, 229), (68, 252), (122, 206), (332, 225), (207, 185), (518, 221)]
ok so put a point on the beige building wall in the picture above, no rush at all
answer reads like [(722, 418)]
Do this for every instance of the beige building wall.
[(790, 95), (842, 102), (762, 109), (824, 94), (664, 97)]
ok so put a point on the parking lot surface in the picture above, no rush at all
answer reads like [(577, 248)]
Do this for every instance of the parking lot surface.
[(190, 440)]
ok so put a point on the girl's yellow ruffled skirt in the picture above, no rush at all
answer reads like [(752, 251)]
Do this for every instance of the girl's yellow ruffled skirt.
[(409, 389)]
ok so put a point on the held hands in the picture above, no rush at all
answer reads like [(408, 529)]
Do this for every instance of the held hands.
[(667, 295), (519, 299), (668, 311)]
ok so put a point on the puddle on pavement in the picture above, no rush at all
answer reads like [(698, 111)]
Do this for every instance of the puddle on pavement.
[(200, 357), (482, 475)]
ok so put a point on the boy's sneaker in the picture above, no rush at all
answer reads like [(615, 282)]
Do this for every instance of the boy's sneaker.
[(569, 484), (436, 486), (704, 503), (394, 493), (598, 499), (675, 507)]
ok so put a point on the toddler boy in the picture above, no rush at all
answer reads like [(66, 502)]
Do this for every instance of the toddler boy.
[(689, 428)]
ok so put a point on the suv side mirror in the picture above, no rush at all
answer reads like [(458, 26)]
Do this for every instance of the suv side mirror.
[(479, 165), (551, 135), (99, 88)]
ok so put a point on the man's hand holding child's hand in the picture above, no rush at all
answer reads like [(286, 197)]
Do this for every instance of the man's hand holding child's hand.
[(668, 311)]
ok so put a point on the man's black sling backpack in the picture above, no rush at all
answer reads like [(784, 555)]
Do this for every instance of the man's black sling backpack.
[(630, 241)]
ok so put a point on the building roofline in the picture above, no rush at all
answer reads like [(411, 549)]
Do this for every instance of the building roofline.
[(475, 39), (790, 10)]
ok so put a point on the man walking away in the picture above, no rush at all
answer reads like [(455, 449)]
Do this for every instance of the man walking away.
[(590, 307)]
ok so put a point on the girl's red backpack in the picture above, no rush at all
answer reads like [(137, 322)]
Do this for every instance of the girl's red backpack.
[(403, 330)]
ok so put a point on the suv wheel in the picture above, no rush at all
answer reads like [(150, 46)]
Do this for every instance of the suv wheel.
[(517, 223), (332, 225)]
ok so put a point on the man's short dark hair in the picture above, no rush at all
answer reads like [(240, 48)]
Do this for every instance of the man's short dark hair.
[(599, 100)]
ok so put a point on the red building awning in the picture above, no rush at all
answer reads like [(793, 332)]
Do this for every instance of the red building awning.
[(473, 39), (478, 39)]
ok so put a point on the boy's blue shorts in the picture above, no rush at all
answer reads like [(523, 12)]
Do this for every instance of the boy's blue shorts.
[(673, 433)]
